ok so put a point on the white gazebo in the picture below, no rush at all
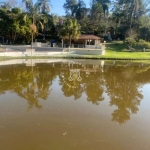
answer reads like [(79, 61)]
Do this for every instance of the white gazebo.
[(87, 41)]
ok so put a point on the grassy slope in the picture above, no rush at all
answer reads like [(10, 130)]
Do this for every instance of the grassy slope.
[(120, 50)]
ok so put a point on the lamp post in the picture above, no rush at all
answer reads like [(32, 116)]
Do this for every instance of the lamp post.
[(89, 42)]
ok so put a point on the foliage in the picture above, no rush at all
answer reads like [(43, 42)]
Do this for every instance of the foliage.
[(144, 44), (121, 18), (44, 6), (69, 7), (69, 30), (130, 41)]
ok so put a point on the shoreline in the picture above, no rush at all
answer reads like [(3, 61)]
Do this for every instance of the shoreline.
[(68, 57)]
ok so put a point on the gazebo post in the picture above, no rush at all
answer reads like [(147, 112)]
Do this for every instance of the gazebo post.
[(85, 43), (62, 43)]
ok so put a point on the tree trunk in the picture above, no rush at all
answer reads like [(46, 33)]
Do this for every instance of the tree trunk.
[(132, 14), (32, 34), (69, 41), (32, 41)]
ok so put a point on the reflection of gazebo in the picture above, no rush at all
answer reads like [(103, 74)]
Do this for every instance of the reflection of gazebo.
[(87, 41)]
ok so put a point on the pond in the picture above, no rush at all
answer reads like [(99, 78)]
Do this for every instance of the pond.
[(75, 104)]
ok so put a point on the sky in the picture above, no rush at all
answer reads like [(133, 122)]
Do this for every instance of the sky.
[(57, 6)]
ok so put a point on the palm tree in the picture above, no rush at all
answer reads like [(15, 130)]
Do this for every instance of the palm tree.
[(80, 9), (44, 6), (5, 5), (70, 30), (105, 6), (32, 12), (35, 12), (39, 14), (137, 9), (70, 7)]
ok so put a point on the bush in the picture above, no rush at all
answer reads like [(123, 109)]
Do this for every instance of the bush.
[(130, 41), (143, 43), (23, 42)]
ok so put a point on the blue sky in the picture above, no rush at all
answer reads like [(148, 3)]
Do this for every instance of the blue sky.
[(57, 6)]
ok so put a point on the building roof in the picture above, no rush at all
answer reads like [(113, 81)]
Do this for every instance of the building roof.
[(88, 37)]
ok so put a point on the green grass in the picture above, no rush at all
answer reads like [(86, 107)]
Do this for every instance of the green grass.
[(127, 55), (118, 46), (120, 50)]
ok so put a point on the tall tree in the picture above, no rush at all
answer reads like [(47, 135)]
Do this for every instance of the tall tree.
[(80, 10), (44, 6), (105, 6), (70, 30), (70, 7), (33, 11)]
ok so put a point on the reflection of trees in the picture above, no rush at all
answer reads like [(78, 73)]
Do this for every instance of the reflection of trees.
[(91, 84), (94, 91), (14, 77), (121, 115), (94, 87), (124, 93), (122, 84), (30, 96), (44, 78), (70, 88), (29, 83)]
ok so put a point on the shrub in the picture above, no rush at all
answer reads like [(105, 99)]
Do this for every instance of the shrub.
[(130, 41), (143, 43)]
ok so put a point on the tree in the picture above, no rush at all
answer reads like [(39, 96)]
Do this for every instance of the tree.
[(10, 4), (70, 7), (70, 30), (80, 10), (131, 36), (44, 6), (122, 84), (33, 11), (136, 9), (11, 24)]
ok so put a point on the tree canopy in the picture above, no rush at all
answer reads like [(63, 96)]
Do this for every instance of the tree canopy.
[(117, 18)]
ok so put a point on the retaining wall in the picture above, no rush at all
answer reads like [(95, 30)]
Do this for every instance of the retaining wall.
[(89, 52)]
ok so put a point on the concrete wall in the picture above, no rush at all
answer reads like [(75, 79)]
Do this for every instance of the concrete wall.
[(45, 45), (90, 52), (90, 46), (36, 44), (39, 44), (23, 54)]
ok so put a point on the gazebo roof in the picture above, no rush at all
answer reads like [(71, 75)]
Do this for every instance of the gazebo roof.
[(88, 37)]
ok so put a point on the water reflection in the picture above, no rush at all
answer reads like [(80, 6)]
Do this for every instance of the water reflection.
[(77, 78), (121, 82)]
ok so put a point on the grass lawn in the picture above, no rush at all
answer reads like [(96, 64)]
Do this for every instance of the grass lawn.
[(120, 50), (127, 55)]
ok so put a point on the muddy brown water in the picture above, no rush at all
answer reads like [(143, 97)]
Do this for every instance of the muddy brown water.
[(79, 104)]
